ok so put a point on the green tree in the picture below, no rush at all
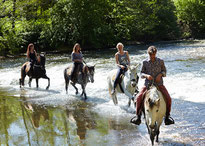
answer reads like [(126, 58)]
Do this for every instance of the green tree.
[(191, 15), (82, 21)]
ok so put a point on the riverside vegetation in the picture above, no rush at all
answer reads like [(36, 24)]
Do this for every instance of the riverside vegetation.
[(57, 24)]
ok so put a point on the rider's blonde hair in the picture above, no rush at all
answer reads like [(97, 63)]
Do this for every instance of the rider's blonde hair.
[(118, 44)]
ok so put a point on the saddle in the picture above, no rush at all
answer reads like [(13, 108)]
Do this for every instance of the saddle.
[(120, 79), (79, 74)]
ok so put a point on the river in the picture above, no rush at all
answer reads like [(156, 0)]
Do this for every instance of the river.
[(30, 116)]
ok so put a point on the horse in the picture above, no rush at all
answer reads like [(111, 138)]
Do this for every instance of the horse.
[(38, 72), (88, 76), (128, 84), (154, 111)]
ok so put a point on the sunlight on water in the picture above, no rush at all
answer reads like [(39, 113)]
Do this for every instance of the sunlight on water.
[(185, 82)]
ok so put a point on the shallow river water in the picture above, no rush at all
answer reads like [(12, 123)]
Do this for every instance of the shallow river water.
[(30, 116)]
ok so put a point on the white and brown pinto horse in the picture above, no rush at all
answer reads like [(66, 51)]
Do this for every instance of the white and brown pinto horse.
[(154, 111), (82, 80), (128, 85)]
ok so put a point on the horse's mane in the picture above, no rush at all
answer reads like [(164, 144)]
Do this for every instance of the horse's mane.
[(85, 69), (155, 96)]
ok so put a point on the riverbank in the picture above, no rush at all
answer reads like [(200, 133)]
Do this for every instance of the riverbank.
[(65, 50)]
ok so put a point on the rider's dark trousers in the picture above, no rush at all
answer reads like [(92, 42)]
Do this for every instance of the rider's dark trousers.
[(76, 68), (32, 62), (140, 99), (119, 72)]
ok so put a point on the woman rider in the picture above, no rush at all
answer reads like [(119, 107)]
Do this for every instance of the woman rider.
[(31, 55), (77, 58), (122, 61)]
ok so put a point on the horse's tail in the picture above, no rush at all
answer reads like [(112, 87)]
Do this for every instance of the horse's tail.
[(66, 77), (23, 74), (65, 74)]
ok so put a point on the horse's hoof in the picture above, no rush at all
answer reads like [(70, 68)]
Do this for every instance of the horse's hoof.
[(76, 93), (47, 88)]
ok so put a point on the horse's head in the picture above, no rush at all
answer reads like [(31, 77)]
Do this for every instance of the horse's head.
[(133, 77), (152, 107), (91, 70)]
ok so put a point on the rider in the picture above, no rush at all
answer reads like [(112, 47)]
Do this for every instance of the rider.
[(31, 55), (77, 58), (153, 69), (122, 61)]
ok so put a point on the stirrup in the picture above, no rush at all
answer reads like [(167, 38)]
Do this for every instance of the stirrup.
[(169, 121), (136, 120)]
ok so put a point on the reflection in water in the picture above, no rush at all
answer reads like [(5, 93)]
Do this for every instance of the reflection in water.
[(37, 111)]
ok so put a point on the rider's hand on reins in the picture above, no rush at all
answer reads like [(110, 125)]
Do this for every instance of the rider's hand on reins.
[(158, 78), (149, 77)]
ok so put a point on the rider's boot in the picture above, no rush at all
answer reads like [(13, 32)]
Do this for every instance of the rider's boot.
[(136, 120), (168, 120)]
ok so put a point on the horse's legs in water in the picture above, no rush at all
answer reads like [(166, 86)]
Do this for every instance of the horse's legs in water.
[(73, 84), (66, 84), (83, 92), (36, 82), (30, 79), (45, 77), (114, 98), (129, 102), (157, 133), (152, 138)]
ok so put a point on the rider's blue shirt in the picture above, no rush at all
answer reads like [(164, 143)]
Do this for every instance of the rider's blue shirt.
[(76, 56)]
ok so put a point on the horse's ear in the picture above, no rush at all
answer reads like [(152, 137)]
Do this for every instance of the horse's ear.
[(44, 53), (157, 101)]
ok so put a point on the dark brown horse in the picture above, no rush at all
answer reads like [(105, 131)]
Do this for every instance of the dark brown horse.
[(39, 71), (88, 76)]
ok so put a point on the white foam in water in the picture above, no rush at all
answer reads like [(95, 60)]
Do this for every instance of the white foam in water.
[(185, 79)]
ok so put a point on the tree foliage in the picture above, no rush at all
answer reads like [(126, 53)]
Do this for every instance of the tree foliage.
[(191, 15), (52, 24)]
